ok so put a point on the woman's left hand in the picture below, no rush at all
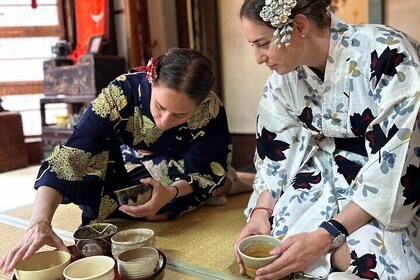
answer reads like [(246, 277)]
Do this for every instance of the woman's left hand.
[(296, 253), (160, 197), (257, 224)]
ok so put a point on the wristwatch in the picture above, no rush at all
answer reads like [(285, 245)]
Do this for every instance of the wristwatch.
[(338, 237)]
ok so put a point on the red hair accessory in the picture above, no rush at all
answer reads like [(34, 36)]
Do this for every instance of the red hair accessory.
[(151, 70)]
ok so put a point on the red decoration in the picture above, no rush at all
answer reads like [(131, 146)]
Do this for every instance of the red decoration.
[(151, 70), (91, 20), (33, 4)]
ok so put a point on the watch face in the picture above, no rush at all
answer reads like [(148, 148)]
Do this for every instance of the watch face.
[(338, 240)]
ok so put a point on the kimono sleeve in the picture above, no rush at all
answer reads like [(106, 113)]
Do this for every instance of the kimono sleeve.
[(78, 168), (387, 187), (210, 151), (284, 144)]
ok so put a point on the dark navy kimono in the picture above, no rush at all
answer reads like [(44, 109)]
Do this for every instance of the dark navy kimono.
[(90, 166)]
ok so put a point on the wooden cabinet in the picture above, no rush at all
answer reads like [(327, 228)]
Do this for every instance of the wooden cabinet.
[(12, 143), (87, 77), (75, 85), (53, 134)]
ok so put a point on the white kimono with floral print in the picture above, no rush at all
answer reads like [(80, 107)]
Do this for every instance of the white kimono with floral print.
[(369, 95)]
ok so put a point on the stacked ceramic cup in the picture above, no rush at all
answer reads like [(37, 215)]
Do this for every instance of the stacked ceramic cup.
[(138, 263), (131, 239)]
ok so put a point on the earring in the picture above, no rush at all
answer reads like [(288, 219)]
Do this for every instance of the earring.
[(303, 35)]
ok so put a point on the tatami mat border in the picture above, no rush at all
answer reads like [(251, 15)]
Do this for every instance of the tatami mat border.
[(23, 224), (199, 272), (16, 208)]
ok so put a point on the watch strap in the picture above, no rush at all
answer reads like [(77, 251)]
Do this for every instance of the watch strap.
[(337, 236), (330, 228), (339, 226)]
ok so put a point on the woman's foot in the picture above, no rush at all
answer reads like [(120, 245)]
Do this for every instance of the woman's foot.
[(240, 185), (233, 185)]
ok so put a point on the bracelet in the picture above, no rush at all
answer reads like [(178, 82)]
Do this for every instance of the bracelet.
[(339, 226), (35, 223), (177, 191), (270, 211)]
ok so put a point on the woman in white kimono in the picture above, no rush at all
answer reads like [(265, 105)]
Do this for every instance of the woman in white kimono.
[(338, 144)]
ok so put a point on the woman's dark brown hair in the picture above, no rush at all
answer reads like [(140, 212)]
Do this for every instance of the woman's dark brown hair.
[(315, 9), (185, 70)]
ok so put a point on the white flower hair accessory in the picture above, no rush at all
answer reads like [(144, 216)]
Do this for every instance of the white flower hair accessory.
[(278, 12)]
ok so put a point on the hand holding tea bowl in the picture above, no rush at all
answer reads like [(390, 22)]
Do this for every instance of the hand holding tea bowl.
[(94, 239), (134, 195), (255, 250)]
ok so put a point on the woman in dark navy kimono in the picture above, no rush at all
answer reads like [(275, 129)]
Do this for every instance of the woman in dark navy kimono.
[(168, 117)]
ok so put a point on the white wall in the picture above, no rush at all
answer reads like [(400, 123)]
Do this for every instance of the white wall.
[(120, 29), (243, 79), (163, 25), (162, 22), (403, 16)]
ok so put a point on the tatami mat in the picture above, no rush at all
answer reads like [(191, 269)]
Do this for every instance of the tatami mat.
[(11, 235), (202, 239), (67, 216), (197, 245), (199, 241), (173, 275)]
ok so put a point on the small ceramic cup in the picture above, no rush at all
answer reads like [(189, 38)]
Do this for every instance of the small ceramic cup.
[(138, 263), (94, 239), (43, 265), (91, 268), (254, 251), (131, 239), (134, 195)]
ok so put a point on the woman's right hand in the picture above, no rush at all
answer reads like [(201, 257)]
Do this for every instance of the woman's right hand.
[(34, 238), (41, 233), (161, 195), (257, 224)]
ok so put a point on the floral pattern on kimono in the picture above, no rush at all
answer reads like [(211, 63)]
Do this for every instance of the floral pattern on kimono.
[(352, 136), (90, 167)]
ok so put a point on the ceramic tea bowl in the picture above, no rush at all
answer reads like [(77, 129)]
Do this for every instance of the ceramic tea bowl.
[(94, 239), (131, 239), (138, 263), (43, 265), (134, 195), (91, 268), (254, 251)]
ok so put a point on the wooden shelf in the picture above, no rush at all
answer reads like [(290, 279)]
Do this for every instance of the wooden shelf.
[(53, 135), (56, 129), (67, 99)]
